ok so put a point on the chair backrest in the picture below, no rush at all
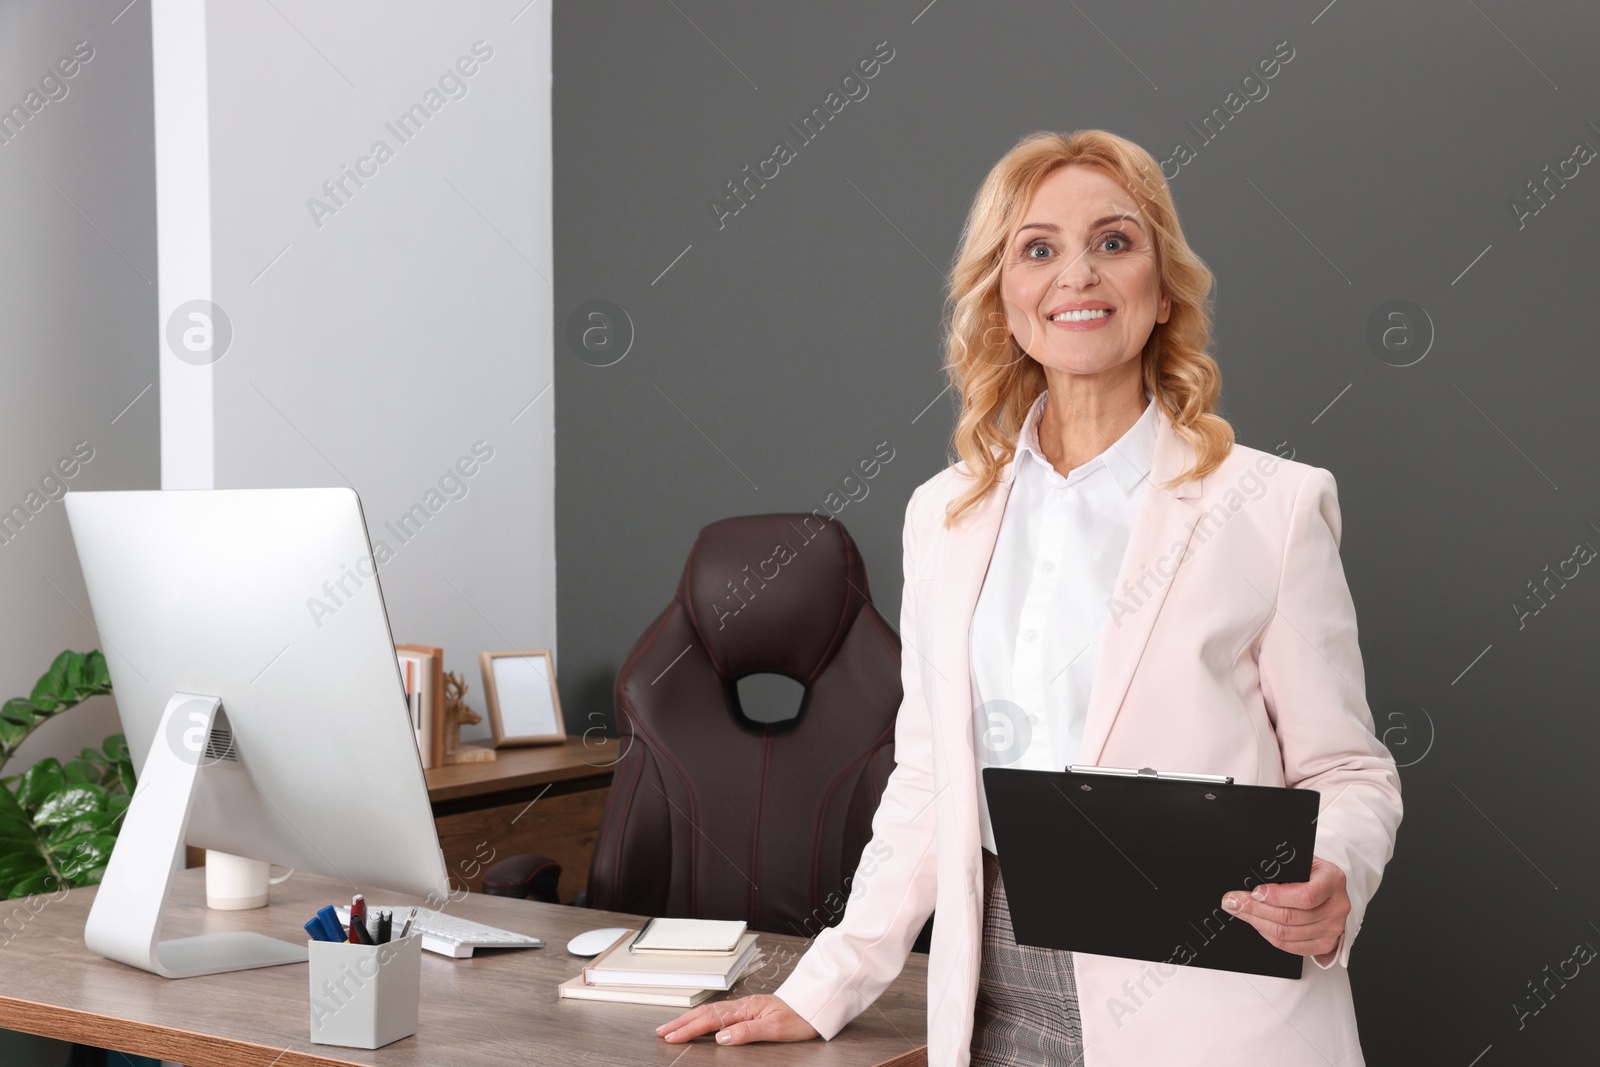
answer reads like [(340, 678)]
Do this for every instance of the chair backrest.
[(712, 814)]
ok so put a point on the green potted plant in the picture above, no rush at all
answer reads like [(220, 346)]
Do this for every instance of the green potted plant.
[(59, 821)]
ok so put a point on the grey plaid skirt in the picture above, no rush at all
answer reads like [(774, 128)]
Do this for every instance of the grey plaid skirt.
[(1027, 1010)]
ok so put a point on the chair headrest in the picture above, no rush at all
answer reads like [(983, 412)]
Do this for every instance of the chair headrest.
[(773, 592)]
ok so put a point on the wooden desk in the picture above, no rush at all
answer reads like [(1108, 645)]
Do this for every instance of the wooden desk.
[(496, 1009), (546, 800)]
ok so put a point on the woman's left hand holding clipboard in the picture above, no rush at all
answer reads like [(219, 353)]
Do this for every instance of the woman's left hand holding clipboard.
[(1305, 918)]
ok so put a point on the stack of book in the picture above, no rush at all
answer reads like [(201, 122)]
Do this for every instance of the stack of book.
[(671, 962)]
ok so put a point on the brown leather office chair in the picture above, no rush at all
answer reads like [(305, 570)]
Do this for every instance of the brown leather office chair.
[(713, 814)]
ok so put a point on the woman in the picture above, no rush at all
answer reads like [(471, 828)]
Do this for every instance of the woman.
[(1105, 578)]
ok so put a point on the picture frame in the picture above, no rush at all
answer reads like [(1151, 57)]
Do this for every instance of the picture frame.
[(524, 705)]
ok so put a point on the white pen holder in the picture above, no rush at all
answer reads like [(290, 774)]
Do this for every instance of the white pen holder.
[(364, 996)]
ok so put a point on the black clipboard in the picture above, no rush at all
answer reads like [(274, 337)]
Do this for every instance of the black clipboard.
[(1134, 863)]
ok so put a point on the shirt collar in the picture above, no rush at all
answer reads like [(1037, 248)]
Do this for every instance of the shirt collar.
[(1128, 459)]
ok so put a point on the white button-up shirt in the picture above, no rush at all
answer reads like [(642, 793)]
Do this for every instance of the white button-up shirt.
[(1036, 630)]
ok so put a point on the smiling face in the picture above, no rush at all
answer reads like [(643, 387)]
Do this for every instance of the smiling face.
[(1079, 282)]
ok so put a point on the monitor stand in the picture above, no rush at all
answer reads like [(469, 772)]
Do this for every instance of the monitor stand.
[(125, 919)]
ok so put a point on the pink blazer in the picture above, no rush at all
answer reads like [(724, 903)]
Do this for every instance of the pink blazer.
[(1231, 649)]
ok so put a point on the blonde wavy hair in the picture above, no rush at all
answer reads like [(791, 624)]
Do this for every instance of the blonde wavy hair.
[(996, 381)]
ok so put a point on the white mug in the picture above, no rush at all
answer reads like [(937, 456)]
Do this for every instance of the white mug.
[(234, 883)]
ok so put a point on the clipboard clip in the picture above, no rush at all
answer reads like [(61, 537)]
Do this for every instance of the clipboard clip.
[(1150, 772)]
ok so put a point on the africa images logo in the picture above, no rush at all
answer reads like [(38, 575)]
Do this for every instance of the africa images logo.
[(199, 332)]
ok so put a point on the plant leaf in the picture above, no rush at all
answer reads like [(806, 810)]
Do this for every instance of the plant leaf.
[(11, 732), (26, 866), (85, 825), (14, 840), (76, 661), (14, 865), (38, 782), (12, 817), (95, 672), (52, 690), (78, 771), (41, 881), (56, 817), (86, 855), (69, 803), (21, 712)]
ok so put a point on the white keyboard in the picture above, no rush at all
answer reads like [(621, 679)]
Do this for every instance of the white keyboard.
[(450, 935)]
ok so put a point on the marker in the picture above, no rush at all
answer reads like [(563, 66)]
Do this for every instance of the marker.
[(330, 924), (359, 934)]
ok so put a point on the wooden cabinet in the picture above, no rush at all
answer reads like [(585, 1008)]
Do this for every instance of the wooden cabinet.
[(546, 800)]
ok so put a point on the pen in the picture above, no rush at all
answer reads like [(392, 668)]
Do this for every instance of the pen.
[(406, 929), (385, 925), (640, 935), (315, 929), (358, 921)]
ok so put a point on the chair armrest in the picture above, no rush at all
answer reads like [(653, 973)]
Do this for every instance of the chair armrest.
[(524, 878)]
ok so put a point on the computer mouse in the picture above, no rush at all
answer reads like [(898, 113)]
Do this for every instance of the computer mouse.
[(594, 942)]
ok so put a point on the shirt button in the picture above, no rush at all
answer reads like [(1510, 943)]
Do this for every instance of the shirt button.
[(1049, 566), (1029, 635), (1033, 720), (1061, 492)]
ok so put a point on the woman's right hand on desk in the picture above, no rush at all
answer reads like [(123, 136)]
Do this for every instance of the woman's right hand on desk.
[(762, 1017)]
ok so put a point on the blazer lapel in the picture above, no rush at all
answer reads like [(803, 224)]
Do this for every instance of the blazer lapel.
[(1161, 531), (1160, 536)]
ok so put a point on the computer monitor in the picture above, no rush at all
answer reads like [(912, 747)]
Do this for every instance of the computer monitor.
[(255, 673)]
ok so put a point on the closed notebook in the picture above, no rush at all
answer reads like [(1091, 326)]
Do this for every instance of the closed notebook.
[(575, 988), (708, 936), (617, 966)]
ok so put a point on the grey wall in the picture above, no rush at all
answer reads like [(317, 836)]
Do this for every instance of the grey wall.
[(77, 296), (387, 330), (1381, 165)]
